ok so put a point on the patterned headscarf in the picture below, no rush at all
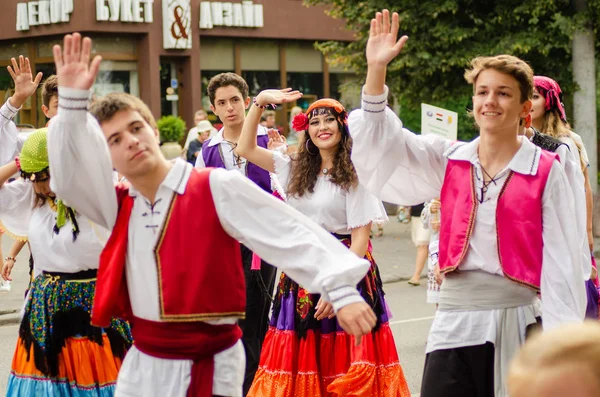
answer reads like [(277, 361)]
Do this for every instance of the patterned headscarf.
[(322, 106), (35, 167), (552, 93)]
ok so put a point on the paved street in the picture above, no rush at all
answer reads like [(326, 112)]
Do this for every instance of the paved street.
[(393, 252)]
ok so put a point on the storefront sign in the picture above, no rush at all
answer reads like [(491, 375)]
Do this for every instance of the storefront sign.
[(177, 24), (220, 13), (43, 12), (138, 11)]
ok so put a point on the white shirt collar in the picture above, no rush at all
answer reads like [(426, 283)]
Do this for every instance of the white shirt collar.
[(525, 161), (218, 138), (176, 179)]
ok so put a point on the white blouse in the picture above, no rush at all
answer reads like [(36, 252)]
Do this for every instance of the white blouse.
[(330, 206), (52, 252)]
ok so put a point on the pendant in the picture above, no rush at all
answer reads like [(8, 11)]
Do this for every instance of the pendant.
[(325, 171)]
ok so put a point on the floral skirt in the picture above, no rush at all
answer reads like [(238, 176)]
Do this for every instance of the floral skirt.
[(59, 353), (305, 357)]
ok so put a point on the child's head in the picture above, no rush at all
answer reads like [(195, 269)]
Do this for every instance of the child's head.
[(228, 94), (560, 362), (131, 132), (50, 96)]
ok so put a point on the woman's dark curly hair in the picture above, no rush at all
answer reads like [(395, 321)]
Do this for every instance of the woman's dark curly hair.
[(307, 161)]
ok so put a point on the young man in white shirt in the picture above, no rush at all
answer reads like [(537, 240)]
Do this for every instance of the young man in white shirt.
[(183, 299)]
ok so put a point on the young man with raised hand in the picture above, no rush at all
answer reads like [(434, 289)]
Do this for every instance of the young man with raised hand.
[(179, 280), (228, 94)]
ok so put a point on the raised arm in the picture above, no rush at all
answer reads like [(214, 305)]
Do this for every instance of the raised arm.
[(80, 161), (247, 146), (390, 161), (25, 86)]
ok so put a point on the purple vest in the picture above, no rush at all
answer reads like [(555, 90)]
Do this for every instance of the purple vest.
[(213, 157)]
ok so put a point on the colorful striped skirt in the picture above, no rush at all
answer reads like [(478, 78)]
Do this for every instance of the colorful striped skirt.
[(302, 356), (59, 353)]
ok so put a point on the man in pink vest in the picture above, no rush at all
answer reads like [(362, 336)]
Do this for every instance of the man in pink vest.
[(172, 265), (508, 220)]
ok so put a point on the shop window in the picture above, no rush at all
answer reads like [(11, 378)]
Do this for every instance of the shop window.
[(7, 88), (261, 80), (307, 83), (13, 50), (111, 44), (301, 56), (216, 54), (259, 55), (115, 76)]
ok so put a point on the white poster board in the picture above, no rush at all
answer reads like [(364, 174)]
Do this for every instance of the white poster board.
[(177, 24), (439, 121)]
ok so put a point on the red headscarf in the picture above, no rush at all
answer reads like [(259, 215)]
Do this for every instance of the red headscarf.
[(552, 93), (300, 122)]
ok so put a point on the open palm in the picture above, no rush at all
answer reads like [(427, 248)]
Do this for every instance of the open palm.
[(382, 46), (73, 66), (25, 84), (278, 96)]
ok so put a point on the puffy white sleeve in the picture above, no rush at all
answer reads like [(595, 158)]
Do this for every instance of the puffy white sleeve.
[(287, 239), (392, 162), (283, 168), (362, 208), (10, 141), (569, 158), (80, 163), (562, 287), (17, 201)]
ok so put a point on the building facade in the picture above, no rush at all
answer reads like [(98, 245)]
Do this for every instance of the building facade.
[(165, 51)]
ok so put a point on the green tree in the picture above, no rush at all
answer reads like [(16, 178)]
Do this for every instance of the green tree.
[(444, 35)]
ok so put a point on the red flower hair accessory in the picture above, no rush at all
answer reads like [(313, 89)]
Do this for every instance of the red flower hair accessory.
[(300, 122)]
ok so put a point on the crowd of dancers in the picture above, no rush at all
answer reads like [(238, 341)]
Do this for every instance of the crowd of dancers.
[(155, 278)]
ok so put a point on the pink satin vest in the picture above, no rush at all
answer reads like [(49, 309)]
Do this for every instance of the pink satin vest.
[(518, 220)]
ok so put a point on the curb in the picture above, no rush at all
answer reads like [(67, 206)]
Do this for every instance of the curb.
[(395, 278), (10, 317)]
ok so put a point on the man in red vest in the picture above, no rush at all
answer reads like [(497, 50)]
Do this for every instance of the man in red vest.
[(172, 265)]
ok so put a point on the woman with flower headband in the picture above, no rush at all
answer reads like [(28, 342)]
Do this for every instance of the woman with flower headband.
[(58, 353), (305, 352)]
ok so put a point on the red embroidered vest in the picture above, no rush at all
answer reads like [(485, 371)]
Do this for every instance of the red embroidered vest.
[(199, 266), (518, 220)]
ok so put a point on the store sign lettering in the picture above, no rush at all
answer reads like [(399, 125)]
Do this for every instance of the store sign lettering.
[(43, 12), (138, 11), (177, 26), (219, 13)]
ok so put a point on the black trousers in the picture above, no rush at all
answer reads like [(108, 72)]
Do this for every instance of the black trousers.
[(461, 372), (259, 293)]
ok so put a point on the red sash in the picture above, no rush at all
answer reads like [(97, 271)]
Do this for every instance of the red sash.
[(197, 341)]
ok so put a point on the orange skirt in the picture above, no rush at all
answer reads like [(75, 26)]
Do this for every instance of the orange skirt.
[(303, 357), (329, 365), (84, 365)]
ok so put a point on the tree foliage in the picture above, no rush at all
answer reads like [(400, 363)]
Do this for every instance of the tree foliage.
[(444, 35)]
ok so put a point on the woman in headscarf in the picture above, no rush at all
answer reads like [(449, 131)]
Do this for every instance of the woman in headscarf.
[(58, 353), (305, 351), (548, 116)]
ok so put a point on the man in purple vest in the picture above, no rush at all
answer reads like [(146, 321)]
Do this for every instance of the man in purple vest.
[(228, 94)]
